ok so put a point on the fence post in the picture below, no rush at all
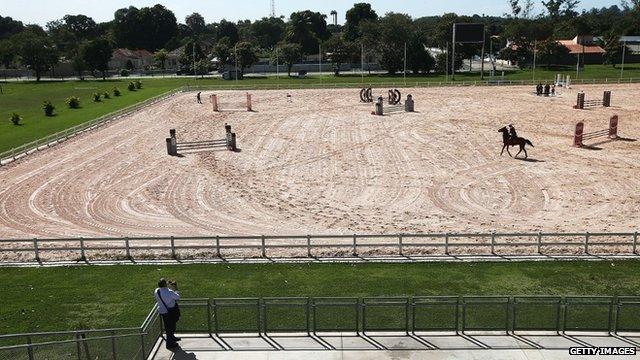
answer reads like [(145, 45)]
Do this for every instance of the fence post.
[(78, 348), (586, 243), (635, 242), (308, 246), (82, 254), (264, 249), (29, 348), (113, 344), (446, 244), (143, 352), (355, 245), (36, 250), (218, 246), (400, 244), (209, 315), (493, 242), (539, 242), (173, 247), (127, 248)]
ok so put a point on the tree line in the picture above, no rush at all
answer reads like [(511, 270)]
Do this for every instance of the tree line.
[(365, 34)]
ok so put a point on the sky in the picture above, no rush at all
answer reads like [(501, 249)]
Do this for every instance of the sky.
[(42, 11)]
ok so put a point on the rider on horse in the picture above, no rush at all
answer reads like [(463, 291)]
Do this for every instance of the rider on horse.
[(512, 132)]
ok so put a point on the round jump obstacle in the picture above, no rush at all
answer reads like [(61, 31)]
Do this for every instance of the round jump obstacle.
[(583, 103), (579, 135), (174, 148), (238, 106), (366, 95), (394, 97)]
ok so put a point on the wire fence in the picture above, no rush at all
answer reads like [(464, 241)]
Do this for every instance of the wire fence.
[(410, 315), (314, 246)]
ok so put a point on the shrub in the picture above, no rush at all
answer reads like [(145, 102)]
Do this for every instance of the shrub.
[(106, 95), (132, 86), (96, 97), (116, 91), (124, 72), (138, 84), (48, 108), (73, 102), (15, 118)]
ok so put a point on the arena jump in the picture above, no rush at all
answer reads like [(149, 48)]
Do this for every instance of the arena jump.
[(174, 148), (239, 106), (583, 103), (394, 104), (611, 133)]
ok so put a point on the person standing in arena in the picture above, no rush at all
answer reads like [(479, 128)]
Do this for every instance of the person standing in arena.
[(167, 297), (199, 98)]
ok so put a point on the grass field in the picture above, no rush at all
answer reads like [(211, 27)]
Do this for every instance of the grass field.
[(47, 299), (26, 98)]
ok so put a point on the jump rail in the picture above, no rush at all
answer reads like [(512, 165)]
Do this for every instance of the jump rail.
[(326, 246)]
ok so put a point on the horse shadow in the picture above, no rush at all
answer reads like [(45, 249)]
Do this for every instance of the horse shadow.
[(531, 160)]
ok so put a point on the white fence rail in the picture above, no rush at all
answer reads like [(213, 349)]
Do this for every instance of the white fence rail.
[(326, 246)]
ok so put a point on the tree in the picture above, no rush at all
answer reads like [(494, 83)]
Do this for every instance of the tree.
[(161, 58), (77, 61), (418, 58), (187, 59), (222, 52), (355, 16), (287, 54), (196, 24), (395, 30), (229, 30), (551, 52), (97, 54), (246, 55), (147, 28), (9, 27), (340, 51), (268, 32), (36, 52), (614, 49), (7, 53), (308, 29)]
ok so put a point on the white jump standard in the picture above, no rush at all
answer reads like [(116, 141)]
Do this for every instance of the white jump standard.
[(217, 104)]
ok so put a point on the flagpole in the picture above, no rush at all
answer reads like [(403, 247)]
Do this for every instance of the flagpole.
[(405, 64)]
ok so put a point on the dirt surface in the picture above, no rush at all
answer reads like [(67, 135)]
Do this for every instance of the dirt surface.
[(318, 162)]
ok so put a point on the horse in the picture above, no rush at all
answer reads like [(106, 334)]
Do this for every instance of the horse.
[(518, 141)]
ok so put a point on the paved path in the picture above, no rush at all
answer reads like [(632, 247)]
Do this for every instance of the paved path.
[(391, 346)]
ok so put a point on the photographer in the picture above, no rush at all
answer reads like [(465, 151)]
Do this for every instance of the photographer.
[(167, 297)]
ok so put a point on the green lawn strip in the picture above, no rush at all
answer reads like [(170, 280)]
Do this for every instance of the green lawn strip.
[(49, 299), (26, 98)]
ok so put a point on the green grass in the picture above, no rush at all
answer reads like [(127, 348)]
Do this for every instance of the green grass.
[(26, 98), (47, 299)]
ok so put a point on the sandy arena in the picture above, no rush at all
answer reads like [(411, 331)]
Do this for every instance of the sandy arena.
[(320, 163)]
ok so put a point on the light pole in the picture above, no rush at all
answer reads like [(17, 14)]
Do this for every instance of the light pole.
[(624, 51)]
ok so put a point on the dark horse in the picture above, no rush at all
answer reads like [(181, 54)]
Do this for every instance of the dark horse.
[(508, 141)]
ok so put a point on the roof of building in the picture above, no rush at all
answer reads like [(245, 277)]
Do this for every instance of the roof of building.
[(131, 54), (581, 49)]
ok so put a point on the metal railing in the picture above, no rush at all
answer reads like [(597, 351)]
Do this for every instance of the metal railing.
[(410, 315), (112, 344), (326, 246), (455, 314)]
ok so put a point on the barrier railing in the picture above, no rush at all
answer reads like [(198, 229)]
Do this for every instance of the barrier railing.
[(312, 246), (410, 315), (118, 343)]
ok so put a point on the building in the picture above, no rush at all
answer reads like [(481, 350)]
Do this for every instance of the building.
[(586, 48), (134, 59)]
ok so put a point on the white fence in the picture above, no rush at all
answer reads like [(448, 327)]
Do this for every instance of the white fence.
[(319, 246)]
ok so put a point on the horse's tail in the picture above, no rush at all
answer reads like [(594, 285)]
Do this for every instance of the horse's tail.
[(529, 142)]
